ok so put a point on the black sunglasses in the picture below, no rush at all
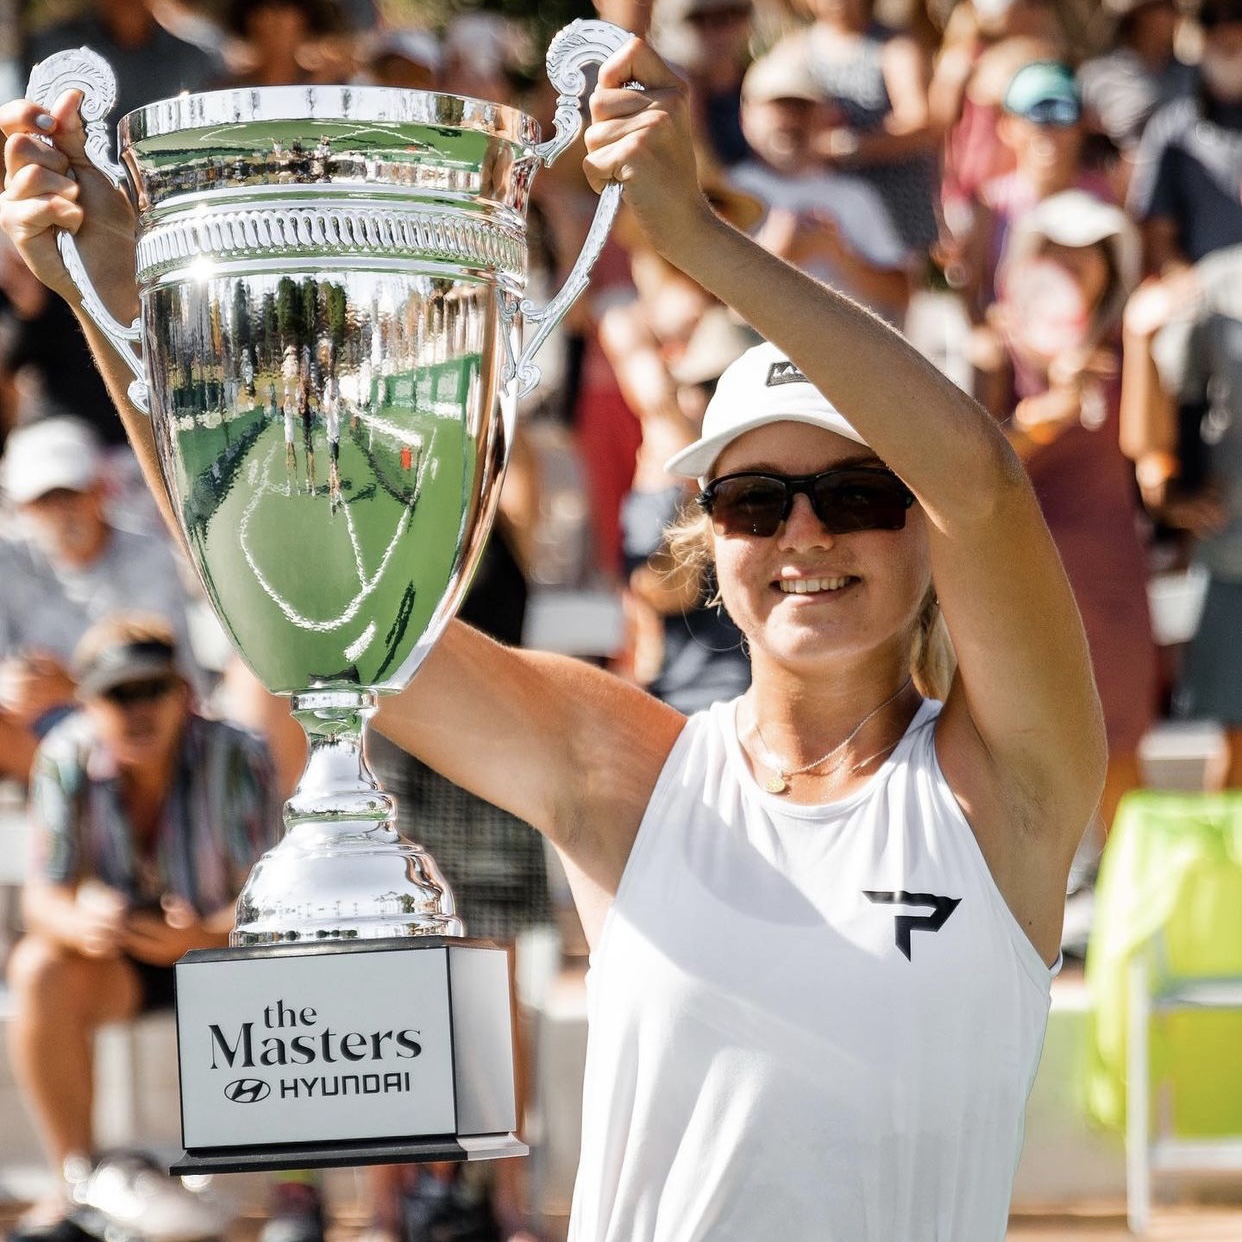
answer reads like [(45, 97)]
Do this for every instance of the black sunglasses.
[(129, 693), (844, 499)]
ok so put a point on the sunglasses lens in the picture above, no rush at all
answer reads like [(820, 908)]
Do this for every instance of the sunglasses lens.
[(853, 500), (747, 505), (844, 500), (138, 691)]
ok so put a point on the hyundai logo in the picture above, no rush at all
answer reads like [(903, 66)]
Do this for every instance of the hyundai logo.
[(247, 1090)]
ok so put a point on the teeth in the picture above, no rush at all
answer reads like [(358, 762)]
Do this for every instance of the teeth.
[(811, 586)]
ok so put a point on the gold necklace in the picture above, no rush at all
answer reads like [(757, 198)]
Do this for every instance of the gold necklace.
[(779, 783)]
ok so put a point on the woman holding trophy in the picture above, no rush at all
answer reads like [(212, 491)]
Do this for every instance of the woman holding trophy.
[(824, 917)]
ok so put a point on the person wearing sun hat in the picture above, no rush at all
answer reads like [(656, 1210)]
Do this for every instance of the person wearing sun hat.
[(1069, 266), (824, 916), (1042, 125)]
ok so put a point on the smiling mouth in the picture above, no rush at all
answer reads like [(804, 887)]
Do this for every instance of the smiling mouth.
[(813, 586)]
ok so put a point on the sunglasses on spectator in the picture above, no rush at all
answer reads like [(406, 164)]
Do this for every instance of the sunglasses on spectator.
[(719, 17), (1053, 112), (845, 499), (129, 693)]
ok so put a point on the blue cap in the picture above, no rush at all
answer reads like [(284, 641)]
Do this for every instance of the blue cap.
[(1044, 92)]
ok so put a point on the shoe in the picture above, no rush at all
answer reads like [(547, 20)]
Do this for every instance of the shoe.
[(52, 1220), (297, 1213), (64, 1229), (127, 1195)]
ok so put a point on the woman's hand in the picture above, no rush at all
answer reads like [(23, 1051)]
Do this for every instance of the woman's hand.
[(50, 184), (641, 136)]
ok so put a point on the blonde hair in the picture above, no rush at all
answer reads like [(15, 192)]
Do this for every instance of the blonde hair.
[(932, 659)]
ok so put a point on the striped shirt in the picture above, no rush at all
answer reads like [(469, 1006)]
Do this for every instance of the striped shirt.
[(220, 815)]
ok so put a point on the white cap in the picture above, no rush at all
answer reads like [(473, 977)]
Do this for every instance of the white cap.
[(49, 454), (419, 47), (1076, 218), (761, 387)]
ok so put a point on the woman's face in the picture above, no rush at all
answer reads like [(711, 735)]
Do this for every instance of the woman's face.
[(140, 723), (1088, 265), (804, 595)]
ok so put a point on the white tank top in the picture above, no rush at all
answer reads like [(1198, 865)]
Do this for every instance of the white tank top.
[(811, 1023)]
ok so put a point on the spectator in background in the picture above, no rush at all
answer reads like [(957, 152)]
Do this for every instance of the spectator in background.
[(968, 115), (408, 59), (1182, 412), (879, 78), (146, 821), (275, 37), (481, 52), (1184, 191), (985, 42), (1140, 72), (709, 40), (832, 224), (1069, 265), (1042, 125), (62, 569), (149, 62), (688, 652), (45, 367)]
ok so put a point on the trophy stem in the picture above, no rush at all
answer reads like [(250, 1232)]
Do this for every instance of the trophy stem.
[(341, 871), (337, 790)]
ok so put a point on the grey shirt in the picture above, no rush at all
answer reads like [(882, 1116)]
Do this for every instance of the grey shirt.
[(48, 607)]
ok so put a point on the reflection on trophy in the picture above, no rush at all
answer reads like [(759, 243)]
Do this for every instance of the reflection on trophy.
[(330, 349)]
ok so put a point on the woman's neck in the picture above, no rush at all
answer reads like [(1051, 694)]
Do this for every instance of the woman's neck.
[(813, 756)]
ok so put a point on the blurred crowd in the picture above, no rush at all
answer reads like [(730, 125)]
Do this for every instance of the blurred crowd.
[(1045, 196)]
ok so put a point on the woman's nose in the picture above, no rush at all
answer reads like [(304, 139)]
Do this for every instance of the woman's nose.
[(802, 527)]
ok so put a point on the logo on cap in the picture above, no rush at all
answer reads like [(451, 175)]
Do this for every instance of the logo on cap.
[(784, 372)]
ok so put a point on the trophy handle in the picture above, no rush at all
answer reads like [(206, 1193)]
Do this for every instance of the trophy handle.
[(579, 44), (86, 71)]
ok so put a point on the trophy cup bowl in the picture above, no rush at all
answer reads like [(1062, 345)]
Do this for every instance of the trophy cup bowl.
[(331, 282)]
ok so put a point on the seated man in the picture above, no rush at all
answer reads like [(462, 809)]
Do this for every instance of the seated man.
[(146, 820), (65, 567)]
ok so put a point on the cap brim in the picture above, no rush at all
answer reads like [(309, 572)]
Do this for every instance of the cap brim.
[(141, 669), (697, 460), (22, 487)]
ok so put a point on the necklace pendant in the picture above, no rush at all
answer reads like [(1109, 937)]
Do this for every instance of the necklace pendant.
[(776, 784)]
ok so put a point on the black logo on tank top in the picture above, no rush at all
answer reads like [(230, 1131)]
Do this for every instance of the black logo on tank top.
[(941, 908)]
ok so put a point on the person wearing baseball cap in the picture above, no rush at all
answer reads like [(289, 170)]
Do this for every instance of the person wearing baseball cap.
[(64, 566), (824, 915), (145, 820)]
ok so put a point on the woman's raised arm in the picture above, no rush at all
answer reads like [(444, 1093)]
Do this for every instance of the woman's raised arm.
[(1021, 737)]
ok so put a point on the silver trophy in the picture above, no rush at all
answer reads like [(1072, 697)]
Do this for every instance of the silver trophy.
[(330, 347)]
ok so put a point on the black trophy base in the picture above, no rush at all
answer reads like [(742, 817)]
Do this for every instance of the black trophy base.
[(344, 1155)]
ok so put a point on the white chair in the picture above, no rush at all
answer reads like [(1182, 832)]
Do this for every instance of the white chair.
[(1151, 1145)]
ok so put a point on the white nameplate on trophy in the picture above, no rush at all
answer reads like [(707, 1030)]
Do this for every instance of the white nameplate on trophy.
[(289, 1046)]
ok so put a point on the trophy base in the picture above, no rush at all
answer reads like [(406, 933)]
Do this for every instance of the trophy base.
[(342, 1053), (338, 1155)]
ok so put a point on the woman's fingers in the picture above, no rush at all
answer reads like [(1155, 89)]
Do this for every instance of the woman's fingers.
[(636, 62)]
